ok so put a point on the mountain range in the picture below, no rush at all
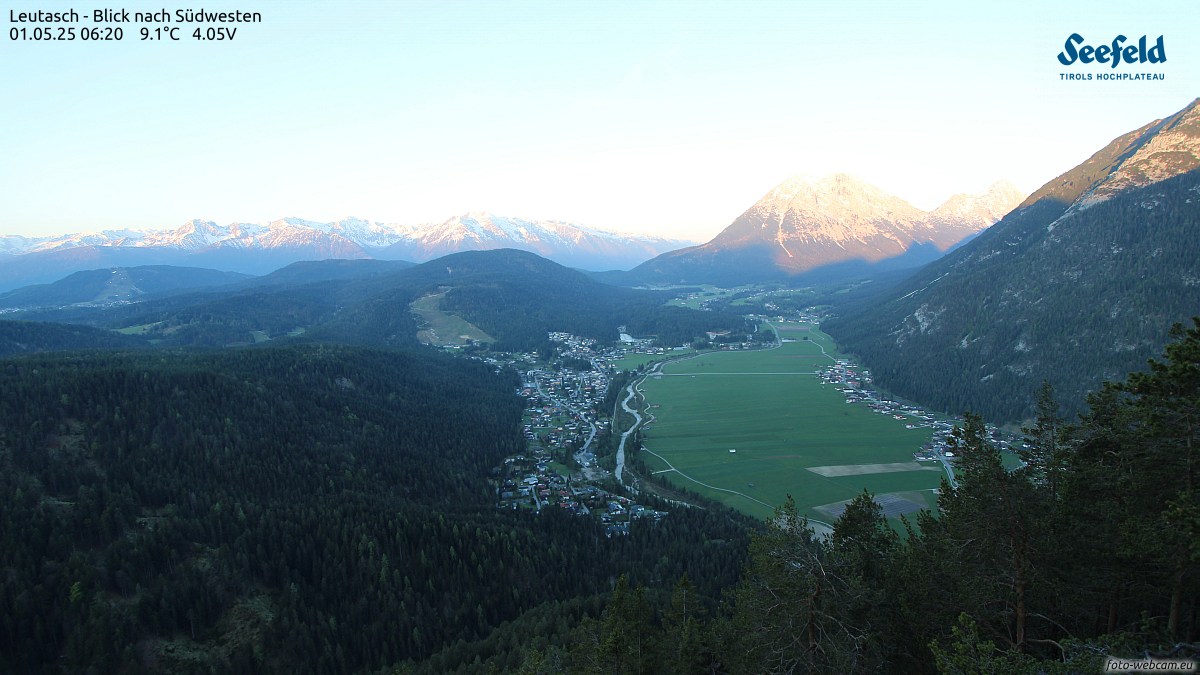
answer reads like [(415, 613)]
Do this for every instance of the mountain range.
[(262, 248), (828, 227), (805, 227), (1077, 285)]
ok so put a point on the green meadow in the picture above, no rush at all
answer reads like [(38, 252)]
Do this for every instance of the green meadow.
[(778, 416)]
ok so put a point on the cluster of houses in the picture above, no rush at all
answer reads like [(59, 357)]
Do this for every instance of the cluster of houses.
[(560, 417), (722, 340), (855, 384), (529, 482), (585, 348), (938, 447), (802, 316), (561, 424), (619, 512), (852, 381)]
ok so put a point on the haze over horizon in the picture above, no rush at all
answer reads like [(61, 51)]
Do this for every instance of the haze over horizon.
[(665, 118)]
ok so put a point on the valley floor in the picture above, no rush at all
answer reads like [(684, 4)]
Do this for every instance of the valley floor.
[(749, 428)]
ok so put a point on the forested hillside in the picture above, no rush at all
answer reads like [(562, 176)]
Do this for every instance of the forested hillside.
[(313, 508), (1075, 286), (19, 337), (1090, 305), (516, 297), (117, 284)]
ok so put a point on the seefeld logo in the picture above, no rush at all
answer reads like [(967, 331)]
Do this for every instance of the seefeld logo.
[(1113, 53)]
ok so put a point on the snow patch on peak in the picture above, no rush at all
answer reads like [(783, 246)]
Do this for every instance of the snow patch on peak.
[(977, 211), (192, 235), (357, 237)]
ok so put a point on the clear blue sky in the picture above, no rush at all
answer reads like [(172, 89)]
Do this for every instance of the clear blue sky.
[(666, 117)]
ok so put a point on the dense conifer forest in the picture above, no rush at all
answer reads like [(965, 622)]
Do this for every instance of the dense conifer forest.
[(19, 337), (302, 509)]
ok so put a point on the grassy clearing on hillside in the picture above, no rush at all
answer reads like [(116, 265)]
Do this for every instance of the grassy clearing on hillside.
[(442, 328), (140, 329), (780, 422)]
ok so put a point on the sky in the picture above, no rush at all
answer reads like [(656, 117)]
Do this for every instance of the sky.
[(662, 117)]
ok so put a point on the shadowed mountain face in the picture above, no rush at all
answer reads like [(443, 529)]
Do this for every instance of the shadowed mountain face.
[(1077, 285), (826, 228)]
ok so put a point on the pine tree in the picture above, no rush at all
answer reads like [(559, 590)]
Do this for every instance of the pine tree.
[(787, 608), (686, 645), (1165, 444), (1045, 449), (990, 519)]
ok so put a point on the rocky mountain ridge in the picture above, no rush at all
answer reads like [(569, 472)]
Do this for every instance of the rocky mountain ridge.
[(837, 224)]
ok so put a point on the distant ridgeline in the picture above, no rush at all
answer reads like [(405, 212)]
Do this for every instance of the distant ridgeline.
[(819, 230), (516, 297), (259, 248), (519, 298)]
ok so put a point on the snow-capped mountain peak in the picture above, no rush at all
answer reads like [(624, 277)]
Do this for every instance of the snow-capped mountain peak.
[(193, 235), (965, 214), (561, 241), (813, 223)]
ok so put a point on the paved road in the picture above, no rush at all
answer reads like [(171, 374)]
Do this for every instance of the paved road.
[(949, 470)]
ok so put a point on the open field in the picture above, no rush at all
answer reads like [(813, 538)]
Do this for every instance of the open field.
[(707, 293), (782, 424), (864, 469), (894, 504)]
